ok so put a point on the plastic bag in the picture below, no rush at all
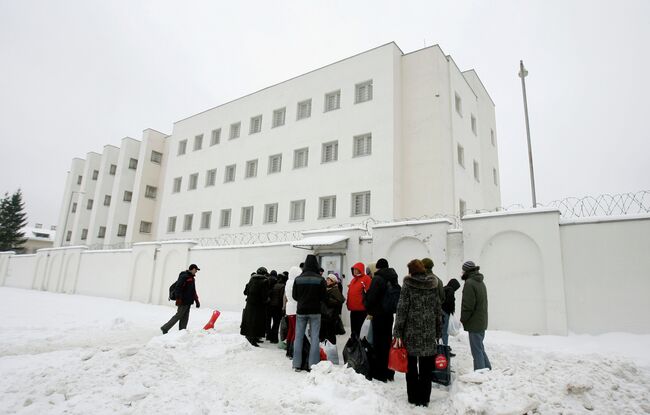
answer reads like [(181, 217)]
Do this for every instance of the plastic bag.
[(454, 327), (331, 351), (398, 359), (366, 331), (354, 355)]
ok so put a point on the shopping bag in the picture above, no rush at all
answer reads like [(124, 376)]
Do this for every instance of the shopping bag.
[(331, 351), (366, 330), (398, 359), (338, 328), (454, 326), (354, 355), (442, 367)]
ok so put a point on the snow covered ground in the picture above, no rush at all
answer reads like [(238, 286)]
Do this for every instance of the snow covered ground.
[(81, 355)]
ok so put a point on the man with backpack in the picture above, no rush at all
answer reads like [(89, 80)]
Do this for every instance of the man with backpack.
[(381, 302), (183, 291)]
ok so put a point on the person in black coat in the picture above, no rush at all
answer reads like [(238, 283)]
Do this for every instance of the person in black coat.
[(331, 310), (276, 302), (253, 324), (185, 296), (382, 320), (448, 307)]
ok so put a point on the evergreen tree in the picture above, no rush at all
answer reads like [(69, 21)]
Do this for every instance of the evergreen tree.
[(12, 220)]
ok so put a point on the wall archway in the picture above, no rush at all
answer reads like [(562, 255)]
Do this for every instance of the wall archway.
[(69, 274), (516, 295), (402, 251), (53, 273), (173, 263), (141, 278)]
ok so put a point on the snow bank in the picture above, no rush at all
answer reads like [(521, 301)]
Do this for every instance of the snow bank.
[(73, 354)]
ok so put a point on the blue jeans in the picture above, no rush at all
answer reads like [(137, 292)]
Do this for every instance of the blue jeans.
[(445, 328), (481, 360), (314, 331)]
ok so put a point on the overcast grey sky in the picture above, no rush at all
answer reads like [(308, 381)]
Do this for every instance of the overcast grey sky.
[(76, 75)]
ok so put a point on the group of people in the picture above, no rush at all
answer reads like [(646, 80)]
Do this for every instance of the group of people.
[(305, 297)]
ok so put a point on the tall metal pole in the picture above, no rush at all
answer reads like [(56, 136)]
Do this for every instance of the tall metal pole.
[(522, 74)]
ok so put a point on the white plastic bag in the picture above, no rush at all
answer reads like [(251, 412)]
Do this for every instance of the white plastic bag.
[(454, 326), (331, 351), (366, 331)]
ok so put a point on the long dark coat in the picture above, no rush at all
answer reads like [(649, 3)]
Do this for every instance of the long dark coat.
[(253, 322)]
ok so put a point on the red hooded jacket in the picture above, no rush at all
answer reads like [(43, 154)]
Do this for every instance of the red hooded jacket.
[(356, 288)]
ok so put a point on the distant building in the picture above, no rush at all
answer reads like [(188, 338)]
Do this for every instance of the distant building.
[(382, 135), (37, 237)]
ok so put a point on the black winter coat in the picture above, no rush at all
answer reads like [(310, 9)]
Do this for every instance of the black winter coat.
[(374, 300), (330, 310), (186, 288), (276, 298), (309, 288), (253, 323)]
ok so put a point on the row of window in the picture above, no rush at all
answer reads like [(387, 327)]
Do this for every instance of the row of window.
[(362, 92), (458, 103), (329, 153), (326, 210), (156, 157), (145, 227), (477, 170)]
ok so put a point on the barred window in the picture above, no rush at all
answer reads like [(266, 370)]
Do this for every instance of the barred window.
[(210, 177), (279, 116), (330, 152), (300, 157), (171, 224), (89, 206), (121, 230), (133, 164), (297, 211), (247, 216), (128, 196), (304, 109), (95, 174), (363, 92), (79, 179), (194, 180), (251, 168), (107, 200), (187, 222), (271, 213), (182, 147), (145, 227), (206, 217), (333, 101), (234, 130), (362, 145), (256, 125), (74, 207), (198, 142), (461, 155), (178, 181), (216, 137), (102, 232), (156, 157), (84, 234), (150, 192), (112, 170), (361, 204), (230, 173), (327, 207), (275, 163), (225, 218)]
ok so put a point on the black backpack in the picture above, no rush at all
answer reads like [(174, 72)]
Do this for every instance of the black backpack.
[(172, 291), (391, 298)]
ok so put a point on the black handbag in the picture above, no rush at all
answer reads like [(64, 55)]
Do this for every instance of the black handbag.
[(284, 328), (442, 375), (338, 328)]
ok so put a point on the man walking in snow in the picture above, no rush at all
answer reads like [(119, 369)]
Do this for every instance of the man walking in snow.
[(474, 313), (185, 295)]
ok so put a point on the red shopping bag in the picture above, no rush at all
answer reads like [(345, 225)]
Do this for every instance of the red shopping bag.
[(398, 359)]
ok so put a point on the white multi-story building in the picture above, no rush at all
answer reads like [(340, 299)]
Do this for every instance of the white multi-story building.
[(381, 134)]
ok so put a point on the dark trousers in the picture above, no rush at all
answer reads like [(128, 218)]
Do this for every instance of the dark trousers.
[(182, 316), (418, 379), (356, 321), (382, 334), (275, 314)]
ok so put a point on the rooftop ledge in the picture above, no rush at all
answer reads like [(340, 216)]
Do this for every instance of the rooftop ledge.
[(604, 219), (510, 213), (413, 222)]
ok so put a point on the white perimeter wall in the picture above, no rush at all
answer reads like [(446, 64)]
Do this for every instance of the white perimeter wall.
[(543, 275)]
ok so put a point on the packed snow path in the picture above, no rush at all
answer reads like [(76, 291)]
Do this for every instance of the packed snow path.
[(79, 355)]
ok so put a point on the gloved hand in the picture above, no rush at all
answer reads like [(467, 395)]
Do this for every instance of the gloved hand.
[(198, 305), (397, 343), (179, 302)]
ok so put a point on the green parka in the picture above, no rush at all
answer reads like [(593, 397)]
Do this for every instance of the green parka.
[(474, 308)]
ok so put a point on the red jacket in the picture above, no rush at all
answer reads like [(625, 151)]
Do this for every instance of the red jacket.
[(356, 288)]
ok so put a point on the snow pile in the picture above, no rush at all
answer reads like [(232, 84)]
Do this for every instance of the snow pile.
[(79, 355)]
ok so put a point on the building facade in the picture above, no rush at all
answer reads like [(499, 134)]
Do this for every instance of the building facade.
[(382, 135)]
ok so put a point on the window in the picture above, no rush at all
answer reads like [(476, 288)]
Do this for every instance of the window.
[(278, 117), (476, 171), (194, 180), (210, 177), (234, 130), (330, 152), (297, 211), (112, 170), (362, 145), (198, 142), (145, 227), (156, 157), (251, 168), (247, 216), (102, 232), (68, 236), (128, 196), (133, 164), (177, 184), (84, 234), (492, 139), (95, 174), (230, 173), (182, 147), (333, 101), (473, 122), (327, 207), (216, 137), (171, 224), (107, 200), (256, 125), (275, 163), (225, 218), (121, 230), (150, 192), (458, 104), (90, 204), (495, 177), (304, 109), (271, 213), (363, 92), (187, 222), (79, 179), (300, 157), (461, 155), (206, 217), (74, 207), (361, 204), (462, 207)]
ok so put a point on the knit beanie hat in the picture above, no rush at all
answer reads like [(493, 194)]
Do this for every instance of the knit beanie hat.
[(262, 271), (428, 263), (382, 263), (468, 266)]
